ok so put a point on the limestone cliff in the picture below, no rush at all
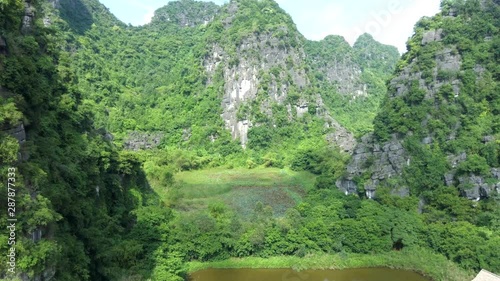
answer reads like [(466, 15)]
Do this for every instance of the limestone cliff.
[(439, 123), (262, 70)]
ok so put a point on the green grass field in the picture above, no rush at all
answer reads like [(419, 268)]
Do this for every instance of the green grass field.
[(241, 189)]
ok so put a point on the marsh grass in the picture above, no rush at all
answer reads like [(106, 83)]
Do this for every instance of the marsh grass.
[(241, 189)]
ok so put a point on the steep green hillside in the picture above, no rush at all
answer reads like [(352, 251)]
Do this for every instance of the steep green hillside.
[(439, 124), (352, 79), (76, 197), (437, 136), (207, 77)]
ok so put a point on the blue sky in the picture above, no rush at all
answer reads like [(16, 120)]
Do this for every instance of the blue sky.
[(389, 21)]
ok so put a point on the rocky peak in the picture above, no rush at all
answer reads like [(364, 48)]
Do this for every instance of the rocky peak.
[(81, 15), (375, 56), (186, 13), (263, 69)]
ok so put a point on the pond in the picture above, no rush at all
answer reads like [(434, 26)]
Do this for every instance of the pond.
[(360, 274)]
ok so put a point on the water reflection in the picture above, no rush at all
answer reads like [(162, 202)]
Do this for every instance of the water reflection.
[(363, 274)]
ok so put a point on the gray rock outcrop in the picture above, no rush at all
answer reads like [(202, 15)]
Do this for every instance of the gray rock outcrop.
[(29, 15), (243, 80), (346, 74), (448, 61), (18, 132), (142, 140), (340, 136), (432, 36), (377, 162), (475, 187)]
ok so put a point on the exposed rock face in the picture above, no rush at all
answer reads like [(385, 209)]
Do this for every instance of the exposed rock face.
[(340, 137), (55, 4), (431, 36), (243, 82), (488, 139), (447, 60), (186, 13), (256, 56), (350, 69), (385, 160), (302, 107), (454, 160), (337, 63), (29, 15), (347, 75), (474, 187), (380, 161), (19, 133), (140, 140)]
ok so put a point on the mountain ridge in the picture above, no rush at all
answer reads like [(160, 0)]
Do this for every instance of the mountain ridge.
[(245, 23)]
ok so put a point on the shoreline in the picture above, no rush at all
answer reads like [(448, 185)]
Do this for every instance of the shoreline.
[(430, 265)]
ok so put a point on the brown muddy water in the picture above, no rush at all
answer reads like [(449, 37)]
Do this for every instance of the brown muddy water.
[(360, 274)]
